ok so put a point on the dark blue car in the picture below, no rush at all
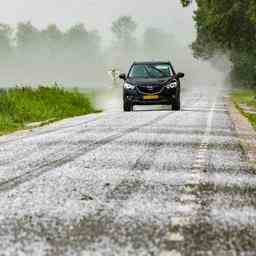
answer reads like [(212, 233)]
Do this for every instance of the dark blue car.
[(151, 83)]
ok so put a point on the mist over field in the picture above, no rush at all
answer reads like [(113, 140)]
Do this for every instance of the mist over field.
[(76, 44)]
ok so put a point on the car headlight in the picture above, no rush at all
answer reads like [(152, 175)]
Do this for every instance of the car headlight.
[(129, 86), (171, 85)]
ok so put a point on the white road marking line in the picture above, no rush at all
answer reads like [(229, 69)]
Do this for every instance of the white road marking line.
[(190, 188), (180, 221), (196, 171), (201, 156), (188, 209), (176, 237), (197, 177), (200, 160), (225, 253), (198, 166), (170, 253), (205, 253), (187, 198), (194, 182)]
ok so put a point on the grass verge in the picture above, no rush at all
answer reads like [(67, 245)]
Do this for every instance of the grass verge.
[(22, 105), (247, 98)]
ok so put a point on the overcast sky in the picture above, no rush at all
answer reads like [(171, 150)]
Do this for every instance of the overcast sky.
[(98, 14)]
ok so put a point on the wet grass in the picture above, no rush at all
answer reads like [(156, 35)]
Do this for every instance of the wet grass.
[(245, 97), (248, 98), (22, 105)]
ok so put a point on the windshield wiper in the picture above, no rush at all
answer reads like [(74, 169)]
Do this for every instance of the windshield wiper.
[(149, 74), (152, 66)]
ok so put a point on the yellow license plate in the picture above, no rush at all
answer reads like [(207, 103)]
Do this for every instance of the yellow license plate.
[(151, 97)]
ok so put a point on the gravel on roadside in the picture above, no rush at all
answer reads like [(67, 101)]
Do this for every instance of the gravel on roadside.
[(245, 131)]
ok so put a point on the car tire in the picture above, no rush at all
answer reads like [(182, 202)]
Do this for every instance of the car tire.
[(176, 104), (128, 107)]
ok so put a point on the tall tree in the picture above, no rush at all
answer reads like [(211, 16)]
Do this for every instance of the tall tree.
[(124, 28), (27, 36), (76, 39), (52, 40), (230, 27), (125, 47), (157, 43), (5, 42), (81, 44)]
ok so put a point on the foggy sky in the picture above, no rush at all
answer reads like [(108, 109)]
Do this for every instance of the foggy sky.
[(168, 15), (99, 14)]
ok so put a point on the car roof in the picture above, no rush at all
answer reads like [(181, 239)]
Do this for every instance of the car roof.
[(151, 62)]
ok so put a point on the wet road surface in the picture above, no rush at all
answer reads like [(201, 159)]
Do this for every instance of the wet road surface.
[(141, 183)]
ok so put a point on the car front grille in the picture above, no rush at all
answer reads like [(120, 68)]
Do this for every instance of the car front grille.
[(151, 89)]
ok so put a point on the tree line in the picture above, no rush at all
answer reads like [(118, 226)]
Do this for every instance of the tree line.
[(76, 54), (228, 27)]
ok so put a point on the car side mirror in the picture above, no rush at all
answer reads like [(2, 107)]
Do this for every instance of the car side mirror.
[(122, 76), (180, 75)]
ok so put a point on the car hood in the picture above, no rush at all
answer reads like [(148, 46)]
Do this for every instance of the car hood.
[(148, 81)]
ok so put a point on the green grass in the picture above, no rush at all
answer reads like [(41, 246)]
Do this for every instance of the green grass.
[(246, 97), (19, 106)]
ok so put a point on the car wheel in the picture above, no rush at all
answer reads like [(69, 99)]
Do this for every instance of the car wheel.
[(128, 107), (176, 104)]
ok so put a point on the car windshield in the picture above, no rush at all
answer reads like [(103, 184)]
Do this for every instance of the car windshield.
[(151, 71)]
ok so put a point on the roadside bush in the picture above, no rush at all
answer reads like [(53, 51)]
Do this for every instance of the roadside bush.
[(22, 105)]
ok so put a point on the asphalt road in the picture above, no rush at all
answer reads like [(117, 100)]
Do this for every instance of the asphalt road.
[(141, 183)]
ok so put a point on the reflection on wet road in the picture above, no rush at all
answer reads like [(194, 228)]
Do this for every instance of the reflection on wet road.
[(140, 183)]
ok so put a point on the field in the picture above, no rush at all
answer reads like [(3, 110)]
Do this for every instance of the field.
[(22, 105)]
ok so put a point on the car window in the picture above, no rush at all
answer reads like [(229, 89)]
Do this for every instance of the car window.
[(138, 71), (150, 71), (166, 69)]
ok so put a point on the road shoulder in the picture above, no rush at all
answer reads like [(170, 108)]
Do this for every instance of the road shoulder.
[(245, 131), (53, 124)]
